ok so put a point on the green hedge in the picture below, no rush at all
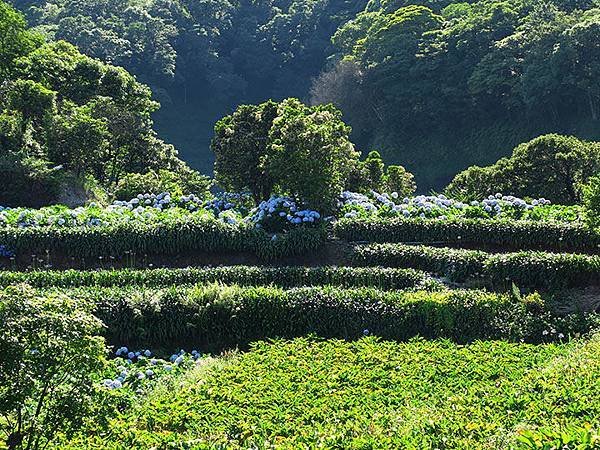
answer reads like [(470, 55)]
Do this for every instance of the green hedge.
[(169, 238), (509, 234), (381, 278), (216, 317), (526, 269)]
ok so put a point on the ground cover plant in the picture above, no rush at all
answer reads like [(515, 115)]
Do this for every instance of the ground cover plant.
[(373, 394)]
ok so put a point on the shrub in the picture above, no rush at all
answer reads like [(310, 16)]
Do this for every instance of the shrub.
[(371, 174), (240, 146), (550, 166), (298, 150), (187, 181), (50, 351), (456, 264), (592, 202), (526, 269), (504, 234), (197, 235), (374, 170), (310, 156), (217, 317), (381, 278), (398, 179)]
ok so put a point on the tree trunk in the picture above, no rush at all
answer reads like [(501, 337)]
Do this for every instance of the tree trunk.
[(593, 108)]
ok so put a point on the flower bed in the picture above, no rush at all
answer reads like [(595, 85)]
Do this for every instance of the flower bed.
[(382, 205)]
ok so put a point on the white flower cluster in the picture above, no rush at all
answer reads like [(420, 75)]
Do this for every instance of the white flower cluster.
[(140, 366), (355, 199), (284, 209), (61, 218), (438, 206), (495, 203), (223, 206), (160, 201)]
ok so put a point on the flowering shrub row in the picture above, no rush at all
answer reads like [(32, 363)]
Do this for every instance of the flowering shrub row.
[(218, 316), (355, 205), (276, 214), (529, 269), (505, 234), (169, 238), (381, 278)]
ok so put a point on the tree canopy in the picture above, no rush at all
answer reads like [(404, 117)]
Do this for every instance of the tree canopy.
[(64, 112), (436, 86)]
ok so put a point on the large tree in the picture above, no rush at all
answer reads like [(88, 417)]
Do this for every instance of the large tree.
[(240, 146), (311, 156), (286, 147), (61, 109)]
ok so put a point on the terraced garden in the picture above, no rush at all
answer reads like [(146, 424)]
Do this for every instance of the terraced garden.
[(363, 332)]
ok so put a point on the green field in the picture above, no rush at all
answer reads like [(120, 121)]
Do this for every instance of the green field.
[(369, 394)]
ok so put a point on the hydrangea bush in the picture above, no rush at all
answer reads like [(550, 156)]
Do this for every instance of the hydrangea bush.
[(279, 213), (355, 205), (137, 370), (276, 214)]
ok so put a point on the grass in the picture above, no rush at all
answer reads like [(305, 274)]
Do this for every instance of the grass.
[(369, 394)]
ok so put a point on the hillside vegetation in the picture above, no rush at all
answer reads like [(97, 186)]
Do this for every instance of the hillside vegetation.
[(435, 86)]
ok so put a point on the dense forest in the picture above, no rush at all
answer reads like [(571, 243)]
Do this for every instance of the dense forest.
[(436, 87)]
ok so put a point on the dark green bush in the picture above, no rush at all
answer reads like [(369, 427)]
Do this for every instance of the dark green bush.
[(168, 238), (215, 317), (592, 202), (550, 166), (381, 278), (508, 235), (186, 181), (526, 269), (50, 352)]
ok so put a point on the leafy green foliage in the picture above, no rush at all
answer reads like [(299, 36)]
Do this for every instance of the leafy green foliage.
[(550, 166), (381, 278), (310, 156), (179, 183), (227, 316), (50, 353), (525, 269), (505, 234), (371, 394), (571, 437), (297, 150), (63, 110), (435, 86), (190, 235), (371, 174), (16, 40), (398, 179), (592, 202), (240, 146)]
